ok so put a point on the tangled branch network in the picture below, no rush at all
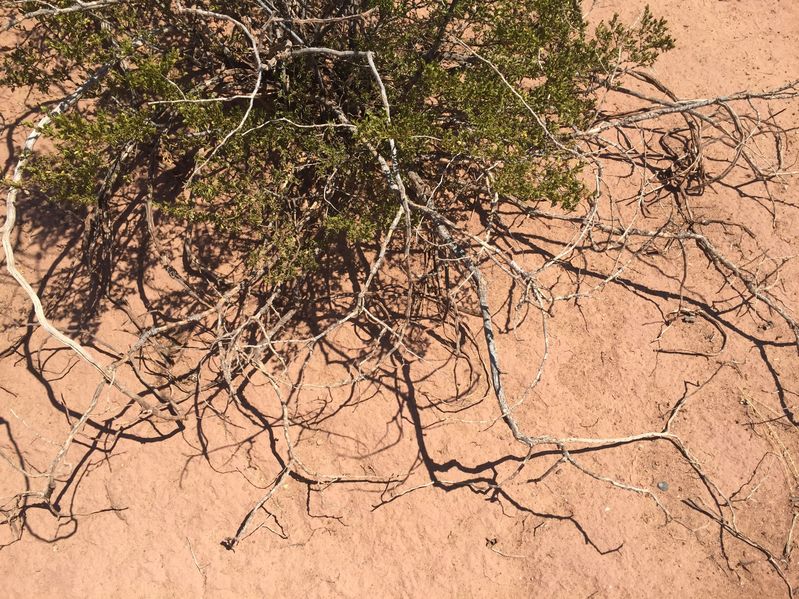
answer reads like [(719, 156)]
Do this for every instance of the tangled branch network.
[(241, 331)]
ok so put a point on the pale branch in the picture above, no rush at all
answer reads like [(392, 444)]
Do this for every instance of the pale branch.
[(55, 11), (786, 91), (11, 216), (52, 471)]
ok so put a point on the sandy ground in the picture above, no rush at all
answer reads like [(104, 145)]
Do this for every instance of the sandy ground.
[(152, 513)]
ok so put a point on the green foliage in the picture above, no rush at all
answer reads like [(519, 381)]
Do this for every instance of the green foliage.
[(469, 82), (639, 45), (85, 150)]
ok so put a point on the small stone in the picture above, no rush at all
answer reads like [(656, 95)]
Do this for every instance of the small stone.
[(663, 485)]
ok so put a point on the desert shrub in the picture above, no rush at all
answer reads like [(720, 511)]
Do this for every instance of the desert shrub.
[(283, 155)]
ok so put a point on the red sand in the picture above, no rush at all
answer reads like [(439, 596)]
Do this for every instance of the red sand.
[(172, 509)]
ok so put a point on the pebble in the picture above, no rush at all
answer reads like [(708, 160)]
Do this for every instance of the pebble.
[(663, 485)]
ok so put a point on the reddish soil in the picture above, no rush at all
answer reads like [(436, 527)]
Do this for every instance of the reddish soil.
[(151, 515)]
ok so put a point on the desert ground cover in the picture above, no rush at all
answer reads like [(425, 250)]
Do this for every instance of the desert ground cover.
[(666, 402)]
